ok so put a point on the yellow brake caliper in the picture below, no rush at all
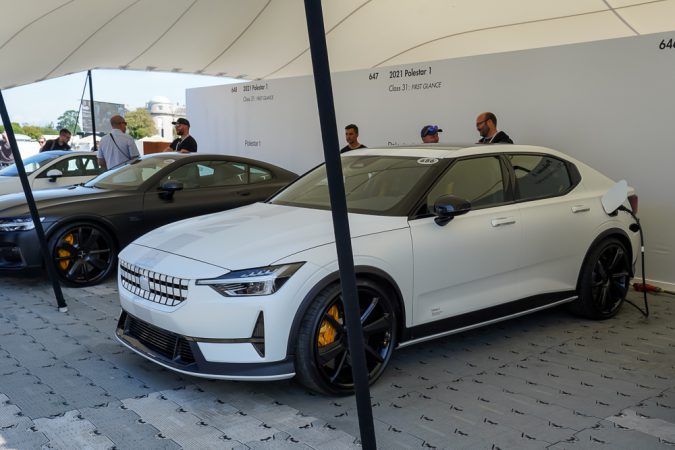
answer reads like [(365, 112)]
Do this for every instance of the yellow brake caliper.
[(63, 253), (327, 331)]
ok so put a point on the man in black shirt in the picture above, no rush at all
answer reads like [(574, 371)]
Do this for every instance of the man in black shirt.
[(486, 124), (352, 137), (60, 143), (184, 143)]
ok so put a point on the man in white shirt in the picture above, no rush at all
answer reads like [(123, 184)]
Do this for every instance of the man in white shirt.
[(117, 147)]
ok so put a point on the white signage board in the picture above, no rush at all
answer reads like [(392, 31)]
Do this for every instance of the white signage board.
[(609, 103)]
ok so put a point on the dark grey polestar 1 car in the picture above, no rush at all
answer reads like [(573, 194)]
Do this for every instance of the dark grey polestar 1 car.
[(86, 225)]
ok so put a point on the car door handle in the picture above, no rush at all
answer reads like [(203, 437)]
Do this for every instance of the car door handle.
[(244, 193), (580, 209), (501, 221)]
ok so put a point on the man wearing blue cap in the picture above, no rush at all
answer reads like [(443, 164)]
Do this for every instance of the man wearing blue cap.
[(429, 134)]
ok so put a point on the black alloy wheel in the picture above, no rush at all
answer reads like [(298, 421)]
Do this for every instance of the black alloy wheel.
[(83, 253), (604, 281), (322, 357)]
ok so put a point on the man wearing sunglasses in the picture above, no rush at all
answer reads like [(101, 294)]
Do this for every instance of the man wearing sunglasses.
[(486, 124), (184, 143), (60, 143), (117, 147)]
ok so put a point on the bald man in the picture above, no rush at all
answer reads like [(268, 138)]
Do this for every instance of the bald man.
[(117, 147), (486, 124)]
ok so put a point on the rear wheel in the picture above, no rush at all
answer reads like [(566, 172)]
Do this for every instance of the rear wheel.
[(323, 360), (604, 280), (83, 254)]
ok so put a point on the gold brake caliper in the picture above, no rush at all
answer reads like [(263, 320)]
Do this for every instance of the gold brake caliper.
[(327, 331), (63, 253)]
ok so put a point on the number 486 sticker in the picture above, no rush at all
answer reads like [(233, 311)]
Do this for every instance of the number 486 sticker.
[(666, 44)]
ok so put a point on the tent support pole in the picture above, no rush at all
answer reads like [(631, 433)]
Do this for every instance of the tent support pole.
[(51, 270), (331, 150), (91, 107)]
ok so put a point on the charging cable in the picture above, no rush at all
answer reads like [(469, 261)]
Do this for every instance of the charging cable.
[(637, 227)]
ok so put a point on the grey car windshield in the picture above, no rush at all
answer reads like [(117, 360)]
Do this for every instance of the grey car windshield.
[(131, 175), (374, 184), (31, 164)]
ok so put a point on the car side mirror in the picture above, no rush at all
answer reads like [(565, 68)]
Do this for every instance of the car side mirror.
[(54, 174), (167, 189), (447, 207)]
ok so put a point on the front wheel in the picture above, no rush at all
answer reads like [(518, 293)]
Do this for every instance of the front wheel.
[(83, 254), (323, 360), (604, 280)]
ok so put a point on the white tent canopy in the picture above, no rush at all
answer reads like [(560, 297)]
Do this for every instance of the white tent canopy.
[(259, 39)]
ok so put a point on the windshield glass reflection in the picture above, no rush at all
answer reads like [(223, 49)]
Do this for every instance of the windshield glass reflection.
[(130, 175)]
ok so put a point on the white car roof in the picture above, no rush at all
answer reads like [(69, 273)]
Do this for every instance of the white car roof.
[(452, 151)]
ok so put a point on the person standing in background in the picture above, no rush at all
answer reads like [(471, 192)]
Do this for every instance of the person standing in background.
[(6, 156), (352, 138), (184, 143), (429, 134), (116, 147), (486, 124), (60, 143)]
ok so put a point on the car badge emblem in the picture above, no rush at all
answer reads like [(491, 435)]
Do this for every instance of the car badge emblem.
[(427, 161), (145, 283)]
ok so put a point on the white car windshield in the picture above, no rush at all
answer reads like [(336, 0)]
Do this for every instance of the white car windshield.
[(30, 164), (131, 175), (382, 185)]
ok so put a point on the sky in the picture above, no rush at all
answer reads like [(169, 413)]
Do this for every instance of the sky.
[(43, 102)]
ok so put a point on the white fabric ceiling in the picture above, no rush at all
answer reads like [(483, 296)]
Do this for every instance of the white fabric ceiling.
[(257, 39)]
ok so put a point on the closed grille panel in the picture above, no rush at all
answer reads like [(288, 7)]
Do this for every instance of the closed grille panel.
[(153, 286)]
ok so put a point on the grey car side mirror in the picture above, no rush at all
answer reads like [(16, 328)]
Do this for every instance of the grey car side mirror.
[(53, 174)]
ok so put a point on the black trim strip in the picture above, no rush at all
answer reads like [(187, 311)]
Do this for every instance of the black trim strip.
[(484, 315)]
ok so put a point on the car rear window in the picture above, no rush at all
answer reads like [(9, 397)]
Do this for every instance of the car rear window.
[(539, 176)]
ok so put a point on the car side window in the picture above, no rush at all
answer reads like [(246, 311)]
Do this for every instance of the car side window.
[(539, 176), (209, 173), (258, 175), (478, 180), (76, 166), (187, 174), (229, 173), (90, 165)]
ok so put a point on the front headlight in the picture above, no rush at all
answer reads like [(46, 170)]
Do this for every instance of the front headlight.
[(257, 281), (17, 223)]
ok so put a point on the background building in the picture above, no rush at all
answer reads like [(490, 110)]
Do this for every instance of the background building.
[(163, 112)]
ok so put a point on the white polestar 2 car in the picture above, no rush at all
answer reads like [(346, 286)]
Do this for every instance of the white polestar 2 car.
[(445, 239)]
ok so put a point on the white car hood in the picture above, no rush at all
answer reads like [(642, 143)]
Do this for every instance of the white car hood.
[(258, 234)]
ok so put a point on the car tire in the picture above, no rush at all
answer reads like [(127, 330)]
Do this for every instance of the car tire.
[(604, 281), (83, 254), (322, 356)]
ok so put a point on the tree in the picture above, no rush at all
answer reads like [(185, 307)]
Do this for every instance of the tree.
[(18, 129), (69, 120), (32, 131), (140, 123)]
